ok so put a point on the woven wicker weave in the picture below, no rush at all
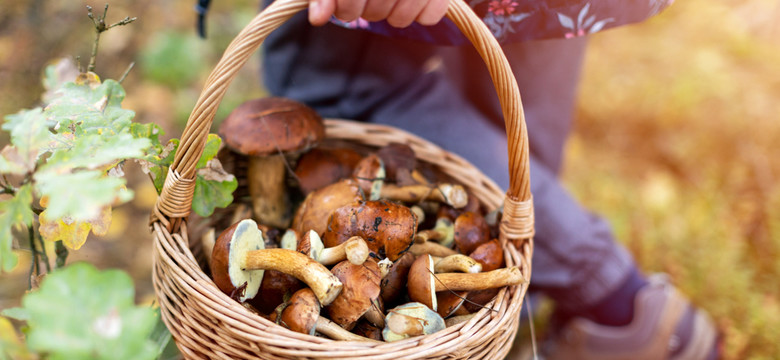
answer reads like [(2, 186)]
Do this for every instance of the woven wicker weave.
[(206, 323)]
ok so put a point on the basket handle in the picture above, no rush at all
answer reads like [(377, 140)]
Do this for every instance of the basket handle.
[(175, 200)]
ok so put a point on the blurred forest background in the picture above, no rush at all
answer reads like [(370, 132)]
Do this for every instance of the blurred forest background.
[(676, 129)]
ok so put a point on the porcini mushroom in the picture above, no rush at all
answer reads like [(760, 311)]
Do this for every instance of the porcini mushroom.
[(263, 129), (471, 230), (316, 208), (448, 302), (394, 283), (370, 176), (360, 290), (423, 284), (354, 250), (302, 314), (387, 227), (411, 319), (240, 258), (320, 167)]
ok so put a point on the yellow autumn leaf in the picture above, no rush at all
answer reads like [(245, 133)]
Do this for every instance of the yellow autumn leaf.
[(74, 233), (10, 341)]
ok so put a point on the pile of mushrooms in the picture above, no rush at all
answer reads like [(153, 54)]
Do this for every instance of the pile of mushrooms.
[(375, 247)]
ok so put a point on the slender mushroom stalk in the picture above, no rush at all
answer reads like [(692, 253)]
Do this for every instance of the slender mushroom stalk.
[(450, 194), (443, 233), (263, 129), (355, 250), (456, 263), (276, 286), (302, 314), (411, 319), (360, 291), (432, 248), (423, 284), (239, 260)]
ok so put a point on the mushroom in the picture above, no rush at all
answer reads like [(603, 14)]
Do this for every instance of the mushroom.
[(450, 194), (387, 227), (456, 263), (354, 249), (432, 248), (471, 230), (423, 284), (489, 254), (367, 329), (316, 208), (302, 314), (239, 258), (443, 232), (322, 166), (411, 319), (370, 176), (448, 302), (264, 129), (394, 283), (276, 286), (359, 293)]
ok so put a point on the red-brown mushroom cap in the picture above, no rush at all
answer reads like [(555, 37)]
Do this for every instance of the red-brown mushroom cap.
[(489, 254), (302, 312), (268, 125), (420, 284), (361, 287), (319, 167), (471, 231)]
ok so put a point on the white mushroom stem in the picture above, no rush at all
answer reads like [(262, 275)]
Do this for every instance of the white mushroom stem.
[(355, 250), (266, 177), (384, 267), (456, 263), (453, 195), (479, 281), (325, 285), (431, 247), (335, 332)]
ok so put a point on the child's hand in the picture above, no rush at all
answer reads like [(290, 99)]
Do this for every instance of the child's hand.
[(398, 13)]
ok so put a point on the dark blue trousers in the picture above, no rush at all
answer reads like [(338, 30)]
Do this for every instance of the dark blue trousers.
[(445, 95)]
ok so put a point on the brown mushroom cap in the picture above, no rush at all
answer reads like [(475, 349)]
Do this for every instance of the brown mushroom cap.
[(420, 286), (319, 167), (489, 254), (268, 125), (302, 312), (397, 156), (394, 284), (360, 288), (387, 227), (314, 211), (471, 231), (225, 268)]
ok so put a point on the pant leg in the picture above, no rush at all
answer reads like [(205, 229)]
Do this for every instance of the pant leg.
[(378, 79)]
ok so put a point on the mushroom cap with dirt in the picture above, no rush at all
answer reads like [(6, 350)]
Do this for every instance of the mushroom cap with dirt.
[(264, 129), (359, 293), (411, 319)]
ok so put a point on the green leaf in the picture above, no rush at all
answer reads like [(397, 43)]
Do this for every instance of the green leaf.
[(80, 196), (29, 135), (210, 150), (95, 152), (16, 313), (81, 109), (14, 212), (210, 194), (80, 312)]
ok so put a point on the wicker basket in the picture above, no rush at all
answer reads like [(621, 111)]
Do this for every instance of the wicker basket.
[(206, 323)]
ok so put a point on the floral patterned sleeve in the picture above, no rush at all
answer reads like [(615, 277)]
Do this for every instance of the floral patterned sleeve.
[(522, 20)]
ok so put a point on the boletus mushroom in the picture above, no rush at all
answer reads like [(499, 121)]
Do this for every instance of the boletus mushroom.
[(387, 227), (355, 250), (411, 319), (240, 258), (265, 129), (320, 167), (423, 283), (302, 314), (359, 293)]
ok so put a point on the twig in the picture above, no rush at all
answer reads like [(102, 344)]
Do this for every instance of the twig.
[(34, 268), (100, 27), (132, 64), (43, 254), (62, 254)]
